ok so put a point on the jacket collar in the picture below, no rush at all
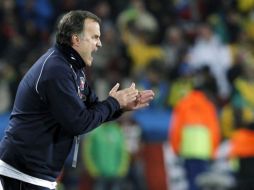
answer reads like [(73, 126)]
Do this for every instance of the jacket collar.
[(71, 55)]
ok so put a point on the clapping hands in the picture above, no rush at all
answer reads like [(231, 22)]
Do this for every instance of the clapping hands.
[(130, 98)]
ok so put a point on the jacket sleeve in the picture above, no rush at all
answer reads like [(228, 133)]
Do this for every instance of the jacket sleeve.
[(93, 100), (67, 108)]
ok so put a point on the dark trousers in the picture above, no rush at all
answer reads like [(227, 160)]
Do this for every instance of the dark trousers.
[(193, 168), (13, 184)]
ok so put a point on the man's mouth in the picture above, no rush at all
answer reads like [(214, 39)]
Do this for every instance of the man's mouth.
[(93, 52)]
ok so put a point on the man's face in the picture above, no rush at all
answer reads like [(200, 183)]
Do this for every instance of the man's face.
[(88, 42)]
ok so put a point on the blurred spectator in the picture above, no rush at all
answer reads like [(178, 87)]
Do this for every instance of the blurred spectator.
[(141, 17), (142, 53), (137, 27), (174, 45), (240, 109), (241, 149), (194, 133), (106, 157), (181, 81), (208, 50)]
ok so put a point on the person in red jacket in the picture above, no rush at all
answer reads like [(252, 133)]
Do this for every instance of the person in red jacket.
[(194, 133)]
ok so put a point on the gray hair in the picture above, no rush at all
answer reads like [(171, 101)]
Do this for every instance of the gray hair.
[(72, 23)]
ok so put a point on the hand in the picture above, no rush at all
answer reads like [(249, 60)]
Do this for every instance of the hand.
[(124, 97), (143, 99)]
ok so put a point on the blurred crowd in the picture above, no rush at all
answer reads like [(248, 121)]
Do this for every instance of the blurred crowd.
[(198, 57)]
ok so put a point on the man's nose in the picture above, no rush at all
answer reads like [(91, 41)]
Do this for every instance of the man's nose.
[(99, 44)]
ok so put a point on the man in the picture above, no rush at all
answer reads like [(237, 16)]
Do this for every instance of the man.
[(195, 133), (54, 105)]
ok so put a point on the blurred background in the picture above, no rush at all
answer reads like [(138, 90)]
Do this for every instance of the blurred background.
[(197, 56)]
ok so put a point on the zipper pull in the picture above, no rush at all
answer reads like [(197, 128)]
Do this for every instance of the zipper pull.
[(75, 155)]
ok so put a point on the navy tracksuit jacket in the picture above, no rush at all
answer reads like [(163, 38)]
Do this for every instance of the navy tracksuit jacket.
[(53, 105)]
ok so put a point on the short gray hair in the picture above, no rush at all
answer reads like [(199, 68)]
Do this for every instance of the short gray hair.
[(72, 23)]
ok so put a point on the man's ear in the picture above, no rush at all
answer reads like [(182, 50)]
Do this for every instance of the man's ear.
[(75, 40)]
